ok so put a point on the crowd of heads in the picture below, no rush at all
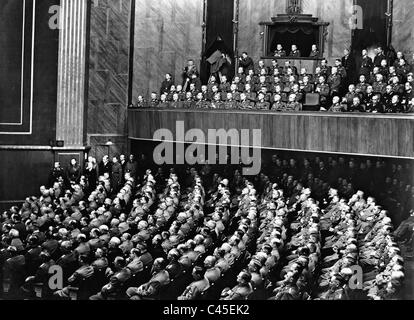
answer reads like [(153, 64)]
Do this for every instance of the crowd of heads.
[(200, 233), (381, 85)]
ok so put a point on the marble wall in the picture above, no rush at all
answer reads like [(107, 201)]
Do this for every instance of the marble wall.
[(336, 12), (167, 33), (403, 27), (108, 74)]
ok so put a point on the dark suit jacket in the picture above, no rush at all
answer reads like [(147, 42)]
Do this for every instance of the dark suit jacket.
[(247, 64)]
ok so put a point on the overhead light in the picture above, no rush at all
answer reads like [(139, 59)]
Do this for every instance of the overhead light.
[(109, 143)]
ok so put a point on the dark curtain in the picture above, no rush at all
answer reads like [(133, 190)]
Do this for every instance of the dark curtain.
[(219, 32), (304, 36)]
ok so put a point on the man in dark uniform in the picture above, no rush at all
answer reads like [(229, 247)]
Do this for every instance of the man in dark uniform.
[(240, 74), (116, 175), (280, 53), (193, 90), (153, 103), (395, 105), (379, 57), (251, 96), (392, 72), (369, 94), (403, 70), (366, 65), (348, 63), (408, 93), (235, 92), (274, 68), (239, 84), (171, 93), (245, 103), (230, 103), (323, 89), (189, 71), (379, 86), (375, 105), (356, 106), (295, 53), (262, 83), (224, 87), (397, 88), (180, 92), (246, 62), (361, 87), (163, 104), (314, 52), (105, 166), (337, 106), (132, 166), (387, 95), (304, 73), (335, 81), (176, 103), (278, 105), (307, 86), (166, 84), (189, 102), (373, 75), (141, 103), (204, 92), (260, 67), (217, 103), (299, 95), (201, 103), (262, 104), (292, 104)]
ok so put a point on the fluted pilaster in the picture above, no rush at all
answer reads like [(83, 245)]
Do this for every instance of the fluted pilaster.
[(72, 72)]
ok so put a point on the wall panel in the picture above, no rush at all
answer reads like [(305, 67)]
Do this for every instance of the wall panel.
[(167, 33), (336, 12), (375, 135)]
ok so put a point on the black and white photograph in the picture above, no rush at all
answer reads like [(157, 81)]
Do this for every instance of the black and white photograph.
[(206, 158)]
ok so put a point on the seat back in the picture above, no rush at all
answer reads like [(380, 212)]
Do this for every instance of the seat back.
[(312, 102)]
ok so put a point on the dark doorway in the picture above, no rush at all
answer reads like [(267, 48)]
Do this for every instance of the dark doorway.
[(219, 32), (374, 28)]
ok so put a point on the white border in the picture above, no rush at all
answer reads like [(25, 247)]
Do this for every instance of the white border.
[(22, 75)]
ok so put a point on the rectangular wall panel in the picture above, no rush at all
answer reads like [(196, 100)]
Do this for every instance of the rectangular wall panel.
[(374, 135)]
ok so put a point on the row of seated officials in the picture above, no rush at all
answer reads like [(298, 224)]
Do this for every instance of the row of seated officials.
[(380, 89)]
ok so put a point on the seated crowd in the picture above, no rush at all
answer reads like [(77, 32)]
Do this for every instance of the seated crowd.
[(202, 232), (382, 85)]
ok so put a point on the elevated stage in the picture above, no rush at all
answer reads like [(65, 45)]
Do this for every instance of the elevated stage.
[(340, 133)]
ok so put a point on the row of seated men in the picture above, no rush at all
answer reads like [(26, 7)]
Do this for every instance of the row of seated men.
[(382, 81), (184, 244), (363, 97)]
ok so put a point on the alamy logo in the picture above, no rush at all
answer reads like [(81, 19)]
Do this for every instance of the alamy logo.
[(195, 153), (355, 282), (55, 23), (56, 277)]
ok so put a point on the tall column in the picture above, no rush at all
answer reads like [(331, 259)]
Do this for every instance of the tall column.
[(72, 78), (72, 72)]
